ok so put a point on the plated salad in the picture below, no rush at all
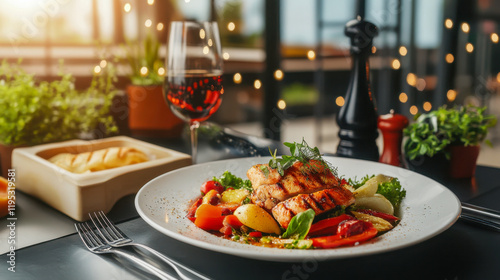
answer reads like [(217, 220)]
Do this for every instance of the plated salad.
[(298, 202)]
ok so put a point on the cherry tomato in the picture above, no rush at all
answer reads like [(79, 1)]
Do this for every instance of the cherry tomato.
[(211, 185), (255, 234), (350, 228), (328, 226), (226, 230)]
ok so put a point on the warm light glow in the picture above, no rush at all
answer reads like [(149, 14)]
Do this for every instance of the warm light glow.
[(494, 37), (231, 26), (411, 79), (151, 2), (374, 49), (278, 75), (127, 7), (413, 110), (498, 77), (281, 104), (427, 106), (237, 78), (421, 84), (161, 71), (403, 51), (210, 42), (257, 84), (144, 71), (465, 27), (202, 34), (339, 101), (449, 58), (396, 64), (311, 55), (159, 26), (205, 50), (448, 23), (451, 94), (226, 56), (97, 69), (103, 63), (403, 97), (469, 47), (148, 23)]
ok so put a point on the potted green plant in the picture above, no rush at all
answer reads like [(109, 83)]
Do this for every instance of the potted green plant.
[(33, 112), (149, 113), (451, 137)]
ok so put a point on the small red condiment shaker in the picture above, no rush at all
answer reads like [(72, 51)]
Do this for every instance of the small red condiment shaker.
[(391, 126)]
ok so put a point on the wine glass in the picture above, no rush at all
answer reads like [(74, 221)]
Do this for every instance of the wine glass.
[(193, 87)]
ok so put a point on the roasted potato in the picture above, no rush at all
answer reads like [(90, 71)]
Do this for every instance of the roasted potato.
[(234, 196), (255, 217)]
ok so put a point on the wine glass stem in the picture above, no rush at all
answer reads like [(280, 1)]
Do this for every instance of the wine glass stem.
[(194, 141)]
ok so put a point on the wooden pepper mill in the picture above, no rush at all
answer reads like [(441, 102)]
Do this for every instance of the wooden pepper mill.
[(357, 119), (391, 126)]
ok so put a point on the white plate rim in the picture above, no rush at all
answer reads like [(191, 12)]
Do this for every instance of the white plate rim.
[(406, 234)]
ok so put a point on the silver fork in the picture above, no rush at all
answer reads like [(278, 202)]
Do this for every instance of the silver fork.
[(116, 238), (96, 245)]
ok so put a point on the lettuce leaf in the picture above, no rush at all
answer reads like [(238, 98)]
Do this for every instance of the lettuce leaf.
[(393, 191)]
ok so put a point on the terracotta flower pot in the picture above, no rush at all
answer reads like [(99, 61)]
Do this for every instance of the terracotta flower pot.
[(6, 158), (149, 114), (463, 161)]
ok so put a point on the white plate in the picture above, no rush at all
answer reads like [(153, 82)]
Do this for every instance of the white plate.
[(428, 209)]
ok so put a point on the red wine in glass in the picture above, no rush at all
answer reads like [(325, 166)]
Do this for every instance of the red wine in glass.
[(194, 96)]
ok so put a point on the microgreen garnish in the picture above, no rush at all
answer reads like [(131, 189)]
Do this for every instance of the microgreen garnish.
[(299, 152), (264, 169)]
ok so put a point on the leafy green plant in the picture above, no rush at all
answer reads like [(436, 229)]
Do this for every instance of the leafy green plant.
[(144, 61), (433, 132), (34, 112)]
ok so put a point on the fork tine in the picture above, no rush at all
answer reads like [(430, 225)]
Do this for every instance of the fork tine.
[(98, 225), (90, 232), (88, 240), (116, 231), (82, 235)]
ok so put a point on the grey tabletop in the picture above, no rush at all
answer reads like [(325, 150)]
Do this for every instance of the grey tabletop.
[(464, 251)]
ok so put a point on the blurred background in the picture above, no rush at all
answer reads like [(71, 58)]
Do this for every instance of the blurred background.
[(428, 53)]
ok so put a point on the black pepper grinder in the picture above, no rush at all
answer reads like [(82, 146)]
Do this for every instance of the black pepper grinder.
[(357, 119)]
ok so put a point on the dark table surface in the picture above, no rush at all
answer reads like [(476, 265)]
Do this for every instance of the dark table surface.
[(464, 251)]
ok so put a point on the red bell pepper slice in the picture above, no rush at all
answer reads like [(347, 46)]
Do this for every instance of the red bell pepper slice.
[(193, 208), (387, 217), (328, 226), (232, 221), (209, 223), (337, 240)]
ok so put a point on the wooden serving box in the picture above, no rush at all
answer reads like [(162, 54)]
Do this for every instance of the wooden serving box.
[(76, 195)]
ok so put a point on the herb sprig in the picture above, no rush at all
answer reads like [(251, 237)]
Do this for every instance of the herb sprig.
[(299, 152)]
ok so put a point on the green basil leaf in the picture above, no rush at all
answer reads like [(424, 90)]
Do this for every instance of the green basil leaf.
[(299, 226)]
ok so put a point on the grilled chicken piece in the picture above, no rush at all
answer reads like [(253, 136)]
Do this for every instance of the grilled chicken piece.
[(320, 202), (258, 175), (270, 188)]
